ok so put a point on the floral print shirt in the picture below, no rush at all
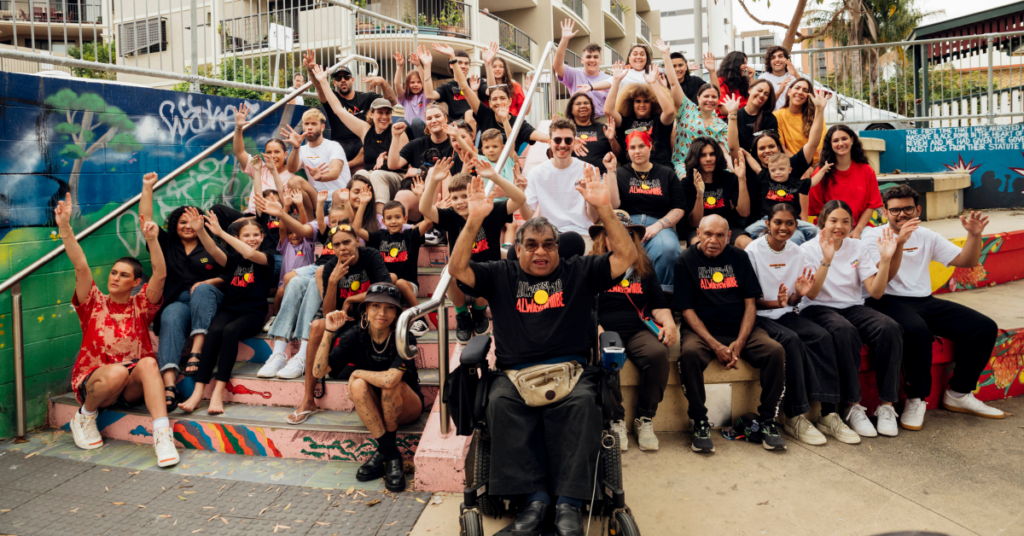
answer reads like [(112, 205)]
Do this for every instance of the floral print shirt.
[(690, 125)]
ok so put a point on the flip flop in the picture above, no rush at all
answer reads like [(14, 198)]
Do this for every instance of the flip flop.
[(191, 363), (298, 417), (172, 398)]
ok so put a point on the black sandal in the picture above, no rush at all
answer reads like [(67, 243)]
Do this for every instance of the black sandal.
[(193, 356), (172, 398)]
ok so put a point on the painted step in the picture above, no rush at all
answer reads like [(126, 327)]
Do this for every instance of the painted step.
[(246, 388), (249, 430), (433, 256), (257, 349)]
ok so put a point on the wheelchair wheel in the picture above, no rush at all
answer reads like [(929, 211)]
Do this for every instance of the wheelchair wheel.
[(624, 525), (478, 471), (471, 524), (612, 461)]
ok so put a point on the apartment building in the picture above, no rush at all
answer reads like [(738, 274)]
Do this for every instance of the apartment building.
[(755, 44), (677, 26)]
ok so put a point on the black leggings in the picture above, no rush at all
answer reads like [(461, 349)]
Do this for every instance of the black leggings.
[(220, 348)]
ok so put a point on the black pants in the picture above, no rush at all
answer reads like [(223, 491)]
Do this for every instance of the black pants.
[(551, 448), (973, 335), (650, 356), (220, 348), (811, 372), (761, 352), (851, 328)]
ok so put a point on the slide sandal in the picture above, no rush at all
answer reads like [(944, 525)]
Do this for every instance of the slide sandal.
[(172, 398), (299, 417), (193, 362)]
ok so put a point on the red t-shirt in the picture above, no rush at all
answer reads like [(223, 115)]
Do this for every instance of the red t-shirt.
[(112, 332), (857, 186), (725, 92)]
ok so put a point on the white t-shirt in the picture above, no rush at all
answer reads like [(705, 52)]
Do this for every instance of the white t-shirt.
[(298, 101), (327, 151), (851, 265), (632, 77), (553, 192), (774, 268), (776, 80), (924, 247)]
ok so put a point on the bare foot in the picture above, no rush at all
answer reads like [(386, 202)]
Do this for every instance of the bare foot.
[(216, 408), (192, 403)]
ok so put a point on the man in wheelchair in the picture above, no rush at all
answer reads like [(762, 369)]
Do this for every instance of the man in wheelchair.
[(546, 444)]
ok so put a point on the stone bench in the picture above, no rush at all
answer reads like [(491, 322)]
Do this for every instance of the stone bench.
[(941, 193)]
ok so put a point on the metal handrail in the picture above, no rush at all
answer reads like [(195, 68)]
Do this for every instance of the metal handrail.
[(437, 300), (14, 282), (950, 39)]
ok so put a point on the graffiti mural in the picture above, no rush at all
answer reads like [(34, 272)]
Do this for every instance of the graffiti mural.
[(95, 141)]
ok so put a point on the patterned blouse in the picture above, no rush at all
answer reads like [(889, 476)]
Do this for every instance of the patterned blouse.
[(690, 125)]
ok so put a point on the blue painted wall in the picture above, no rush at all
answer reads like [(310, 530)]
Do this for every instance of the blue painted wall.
[(129, 131), (994, 156)]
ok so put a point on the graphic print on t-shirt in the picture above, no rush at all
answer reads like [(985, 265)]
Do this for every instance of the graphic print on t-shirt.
[(779, 193), (243, 277), (273, 223), (394, 251), (630, 285), (539, 297), (641, 125), (714, 198), (353, 284), (717, 277), (206, 261), (481, 241), (644, 187)]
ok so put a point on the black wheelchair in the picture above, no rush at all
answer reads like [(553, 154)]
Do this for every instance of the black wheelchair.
[(608, 503)]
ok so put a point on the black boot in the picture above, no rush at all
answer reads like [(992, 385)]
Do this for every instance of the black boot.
[(531, 518), (568, 521), (372, 469), (394, 477)]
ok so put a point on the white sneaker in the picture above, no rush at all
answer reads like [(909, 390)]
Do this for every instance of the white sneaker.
[(645, 437), (269, 324), (166, 453), (857, 419), (833, 425), (295, 368), (969, 404), (419, 328), (887, 420), (83, 429), (619, 429), (802, 429), (913, 414), (272, 366)]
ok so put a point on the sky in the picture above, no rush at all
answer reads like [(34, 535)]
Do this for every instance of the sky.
[(782, 10)]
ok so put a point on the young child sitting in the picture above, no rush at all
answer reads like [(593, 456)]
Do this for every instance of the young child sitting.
[(399, 247), (295, 250), (452, 220), (781, 185)]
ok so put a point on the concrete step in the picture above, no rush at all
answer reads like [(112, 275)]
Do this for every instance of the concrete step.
[(248, 430)]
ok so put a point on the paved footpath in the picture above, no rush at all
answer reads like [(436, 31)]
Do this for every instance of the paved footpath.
[(49, 486)]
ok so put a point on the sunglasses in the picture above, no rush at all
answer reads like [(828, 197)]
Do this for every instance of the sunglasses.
[(548, 245), (342, 76), (391, 291), (905, 210), (560, 141), (763, 132)]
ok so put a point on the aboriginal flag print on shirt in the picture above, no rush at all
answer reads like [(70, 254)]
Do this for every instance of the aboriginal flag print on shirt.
[(248, 284), (620, 307), (716, 288), (720, 195), (369, 269), (654, 193), (540, 296), (400, 252)]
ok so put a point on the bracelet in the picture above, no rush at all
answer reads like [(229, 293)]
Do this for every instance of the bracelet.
[(452, 62), (733, 115), (826, 265), (330, 331)]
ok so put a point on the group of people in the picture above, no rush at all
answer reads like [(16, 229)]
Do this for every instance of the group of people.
[(331, 259)]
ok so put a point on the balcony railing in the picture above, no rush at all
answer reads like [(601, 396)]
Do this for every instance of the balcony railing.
[(33, 11), (645, 32), (577, 7), (434, 17), (572, 60), (612, 55), (616, 10), (252, 32), (510, 38)]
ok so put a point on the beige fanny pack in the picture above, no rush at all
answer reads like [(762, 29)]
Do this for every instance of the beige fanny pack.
[(541, 385)]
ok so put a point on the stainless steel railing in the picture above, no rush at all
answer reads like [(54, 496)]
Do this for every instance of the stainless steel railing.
[(436, 302), (14, 283)]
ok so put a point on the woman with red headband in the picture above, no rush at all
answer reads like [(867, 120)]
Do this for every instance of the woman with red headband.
[(653, 197)]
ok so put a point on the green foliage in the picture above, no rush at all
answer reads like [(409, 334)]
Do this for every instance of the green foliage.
[(73, 151), (98, 52), (895, 91), (256, 72), (67, 99), (123, 142)]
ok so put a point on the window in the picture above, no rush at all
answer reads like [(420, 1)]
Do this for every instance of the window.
[(142, 36)]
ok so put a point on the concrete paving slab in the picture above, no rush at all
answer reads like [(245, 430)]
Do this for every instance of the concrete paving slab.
[(999, 221), (958, 476), (1002, 303)]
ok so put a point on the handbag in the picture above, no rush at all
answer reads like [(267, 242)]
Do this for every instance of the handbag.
[(541, 385)]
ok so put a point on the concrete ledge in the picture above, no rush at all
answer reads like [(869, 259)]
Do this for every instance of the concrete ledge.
[(941, 193), (873, 148)]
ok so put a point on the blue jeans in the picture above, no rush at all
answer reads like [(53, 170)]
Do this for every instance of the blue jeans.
[(804, 231), (663, 250), (298, 308), (188, 315), (415, 129)]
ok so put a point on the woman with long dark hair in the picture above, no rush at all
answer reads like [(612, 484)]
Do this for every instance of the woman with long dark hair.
[(734, 80), (716, 190), (796, 116), (594, 140), (754, 117), (498, 75), (625, 308), (851, 178)]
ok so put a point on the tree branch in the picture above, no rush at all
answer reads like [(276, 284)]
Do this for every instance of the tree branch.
[(103, 139), (759, 21), (821, 30)]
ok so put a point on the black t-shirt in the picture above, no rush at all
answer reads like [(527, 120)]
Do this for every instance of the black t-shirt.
[(691, 85), (376, 144), (451, 94), (368, 269), (400, 252), (413, 152), (654, 193), (272, 225), (619, 308), (597, 144), (358, 105), (745, 123), (246, 284), (716, 288), (784, 192), (487, 246), (485, 119), (327, 253), (536, 319), (720, 195), (183, 269), (661, 153), (355, 347)]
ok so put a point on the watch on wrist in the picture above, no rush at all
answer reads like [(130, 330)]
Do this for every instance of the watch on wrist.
[(452, 62), (826, 264)]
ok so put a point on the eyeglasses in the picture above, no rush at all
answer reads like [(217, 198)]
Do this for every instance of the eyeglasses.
[(548, 245), (905, 210), (560, 141), (391, 291)]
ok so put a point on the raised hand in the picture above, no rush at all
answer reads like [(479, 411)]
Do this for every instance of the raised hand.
[(241, 115), (828, 247), (150, 230), (399, 59), (489, 53), (805, 282), (417, 186), (820, 99), (445, 49), (709, 61), (339, 273), (502, 115), (366, 198), (618, 71), (374, 81), (907, 231), (308, 59), (664, 47), (319, 74), (443, 167), (609, 161), (480, 205), (528, 80), (257, 164), (593, 190), (214, 225), (609, 128), (887, 243), (483, 166), (739, 167), (651, 75), (321, 196), (150, 179), (474, 82), (382, 160), (579, 147), (62, 212), (731, 104), (194, 219), (698, 182), (398, 128), (974, 223), (335, 319), (426, 58), (295, 196), (568, 29), (292, 137), (414, 59), (783, 295), (315, 172)]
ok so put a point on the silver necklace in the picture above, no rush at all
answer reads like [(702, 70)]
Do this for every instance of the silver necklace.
[(386, 342)]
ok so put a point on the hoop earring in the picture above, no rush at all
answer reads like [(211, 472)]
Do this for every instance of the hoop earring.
[(364, 322)]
